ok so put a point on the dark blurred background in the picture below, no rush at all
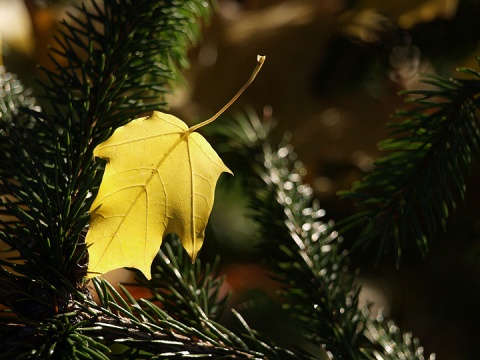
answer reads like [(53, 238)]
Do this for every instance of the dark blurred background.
[(331, 80)]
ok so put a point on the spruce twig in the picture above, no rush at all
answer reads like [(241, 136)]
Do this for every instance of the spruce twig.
[(422, 173), (305, 255)]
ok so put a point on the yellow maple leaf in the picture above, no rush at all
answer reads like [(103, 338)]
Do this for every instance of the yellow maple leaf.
[(159, 178)]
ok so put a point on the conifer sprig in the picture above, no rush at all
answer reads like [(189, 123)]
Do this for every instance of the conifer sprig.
[(186, 291), (305, 254), (174, 323), (421, 175)]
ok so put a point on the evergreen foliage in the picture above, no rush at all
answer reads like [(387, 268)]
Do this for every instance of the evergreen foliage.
[(305, 254), (115, 61), (422, 174)]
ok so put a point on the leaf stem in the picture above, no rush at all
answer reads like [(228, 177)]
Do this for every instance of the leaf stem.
[(260, 61)]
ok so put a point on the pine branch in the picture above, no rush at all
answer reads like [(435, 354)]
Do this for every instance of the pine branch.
[(422, 174), (142, 325), (58, 338), (13, 97), (187, 292), (390, 343), (305, 255), (166, 332)]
